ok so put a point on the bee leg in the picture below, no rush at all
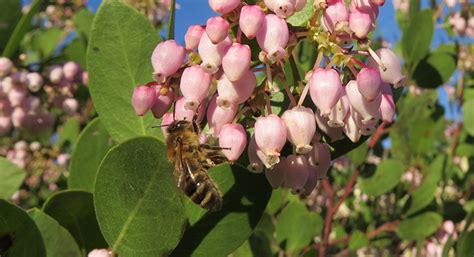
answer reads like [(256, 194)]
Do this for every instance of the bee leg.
[(215, 148)]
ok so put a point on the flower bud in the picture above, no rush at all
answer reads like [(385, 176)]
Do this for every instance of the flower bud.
[(270, 136), (32, 103), (55, 74), (299, 5), (212, 54), (367, 128), (334, 133), (99, 253), (181, 113), (282, 8), (20, 78), (235, 92), (195, 85), (35, 146), (319, 159), (255, 164), (325, 89), (300, 127), (18, 117), (217, 117), (193, 36), (251, 20), (70, 106), (165, 121), (217, 29), (6, 66), (143, 99), (360, 23), (273, 37), (350, 128), (35, 81), (71, 70), (164, 99), (393, 73), (167, 59), (368, 110), (5, 86), (369, 82), (387, 106), (335, 13), (296, 173), (5, 125), (17, 95), (339, 111), (276, 175), (236, 61), (366, 6), (233, 136), (85, 78), (223, 6)]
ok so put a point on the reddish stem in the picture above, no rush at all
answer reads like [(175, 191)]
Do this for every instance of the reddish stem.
[(378, 133)]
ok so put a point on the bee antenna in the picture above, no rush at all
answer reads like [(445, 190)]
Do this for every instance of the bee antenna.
[(160, 126)]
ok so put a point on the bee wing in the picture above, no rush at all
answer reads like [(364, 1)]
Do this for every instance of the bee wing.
[(180, 168), (213, 154)]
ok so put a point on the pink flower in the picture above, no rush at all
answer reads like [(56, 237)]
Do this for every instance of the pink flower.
[(335, 13), (99, 253), (217, 117), (273, 37), (164, 99), (193, 36), (233, 136), (71, 70), (369, 82), (301, 127), (17, 95), (70, 105), (276, 175), (270, 141), (255, 164), (360, 23), (368, 110), (296, 173), (319, 159), (195, 85), (223, 6), (143, 99), (5, 125), (181, 113), (299, 5), (236, 61), (235, 92), (5, 66), (393, 73), (387, 106), (350, 128), (335, 133), (251, 20), (18, 117), (167, 59), (217, 29), (339, 111), (165, 121), (282, 8), (325, 89), (55, 74), (212, 54), (35, 81)]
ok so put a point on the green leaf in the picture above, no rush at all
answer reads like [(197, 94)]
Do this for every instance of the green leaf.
[(420, 226), (11, 178), (436, 68), (135, 181), (118, 58), (359, 154), (386, 177), (10, 14), (22, 27), (468, 108), (45, 42), (69, 132), (358, 240), (20, 232), (74, 210), (423, 195), (465, 246), (92, 145), (245, 196), (58, 241), (76, 51), (296, 226), (415, 41), (83, 21), (302, 17)]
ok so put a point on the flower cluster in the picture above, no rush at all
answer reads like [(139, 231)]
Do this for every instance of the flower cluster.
[(27, 98), (60, 14), (219, 82), (156, 11)]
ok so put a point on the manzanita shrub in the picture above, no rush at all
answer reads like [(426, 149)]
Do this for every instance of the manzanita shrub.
[(339, 143)]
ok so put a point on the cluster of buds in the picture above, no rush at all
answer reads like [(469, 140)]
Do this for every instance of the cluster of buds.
[(60, 13), (462, 23), (26, 98), (156, 11), (219, 79)]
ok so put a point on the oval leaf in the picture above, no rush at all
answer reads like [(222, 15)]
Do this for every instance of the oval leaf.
[(11, 178), (220, 233), (19, 235), (419, 227), (467, 108), (118, 59), (93, 144), (436, 68), (58, 241), (135, 181), (415, 41), (386, 177), (74, 210)]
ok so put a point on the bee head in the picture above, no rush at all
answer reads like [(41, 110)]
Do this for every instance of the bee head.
[(179, 126)]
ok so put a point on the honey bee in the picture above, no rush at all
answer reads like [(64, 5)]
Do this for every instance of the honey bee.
[(191, 163)]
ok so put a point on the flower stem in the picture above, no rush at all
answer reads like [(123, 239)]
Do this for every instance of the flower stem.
[(171, 20), (377, 59)]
